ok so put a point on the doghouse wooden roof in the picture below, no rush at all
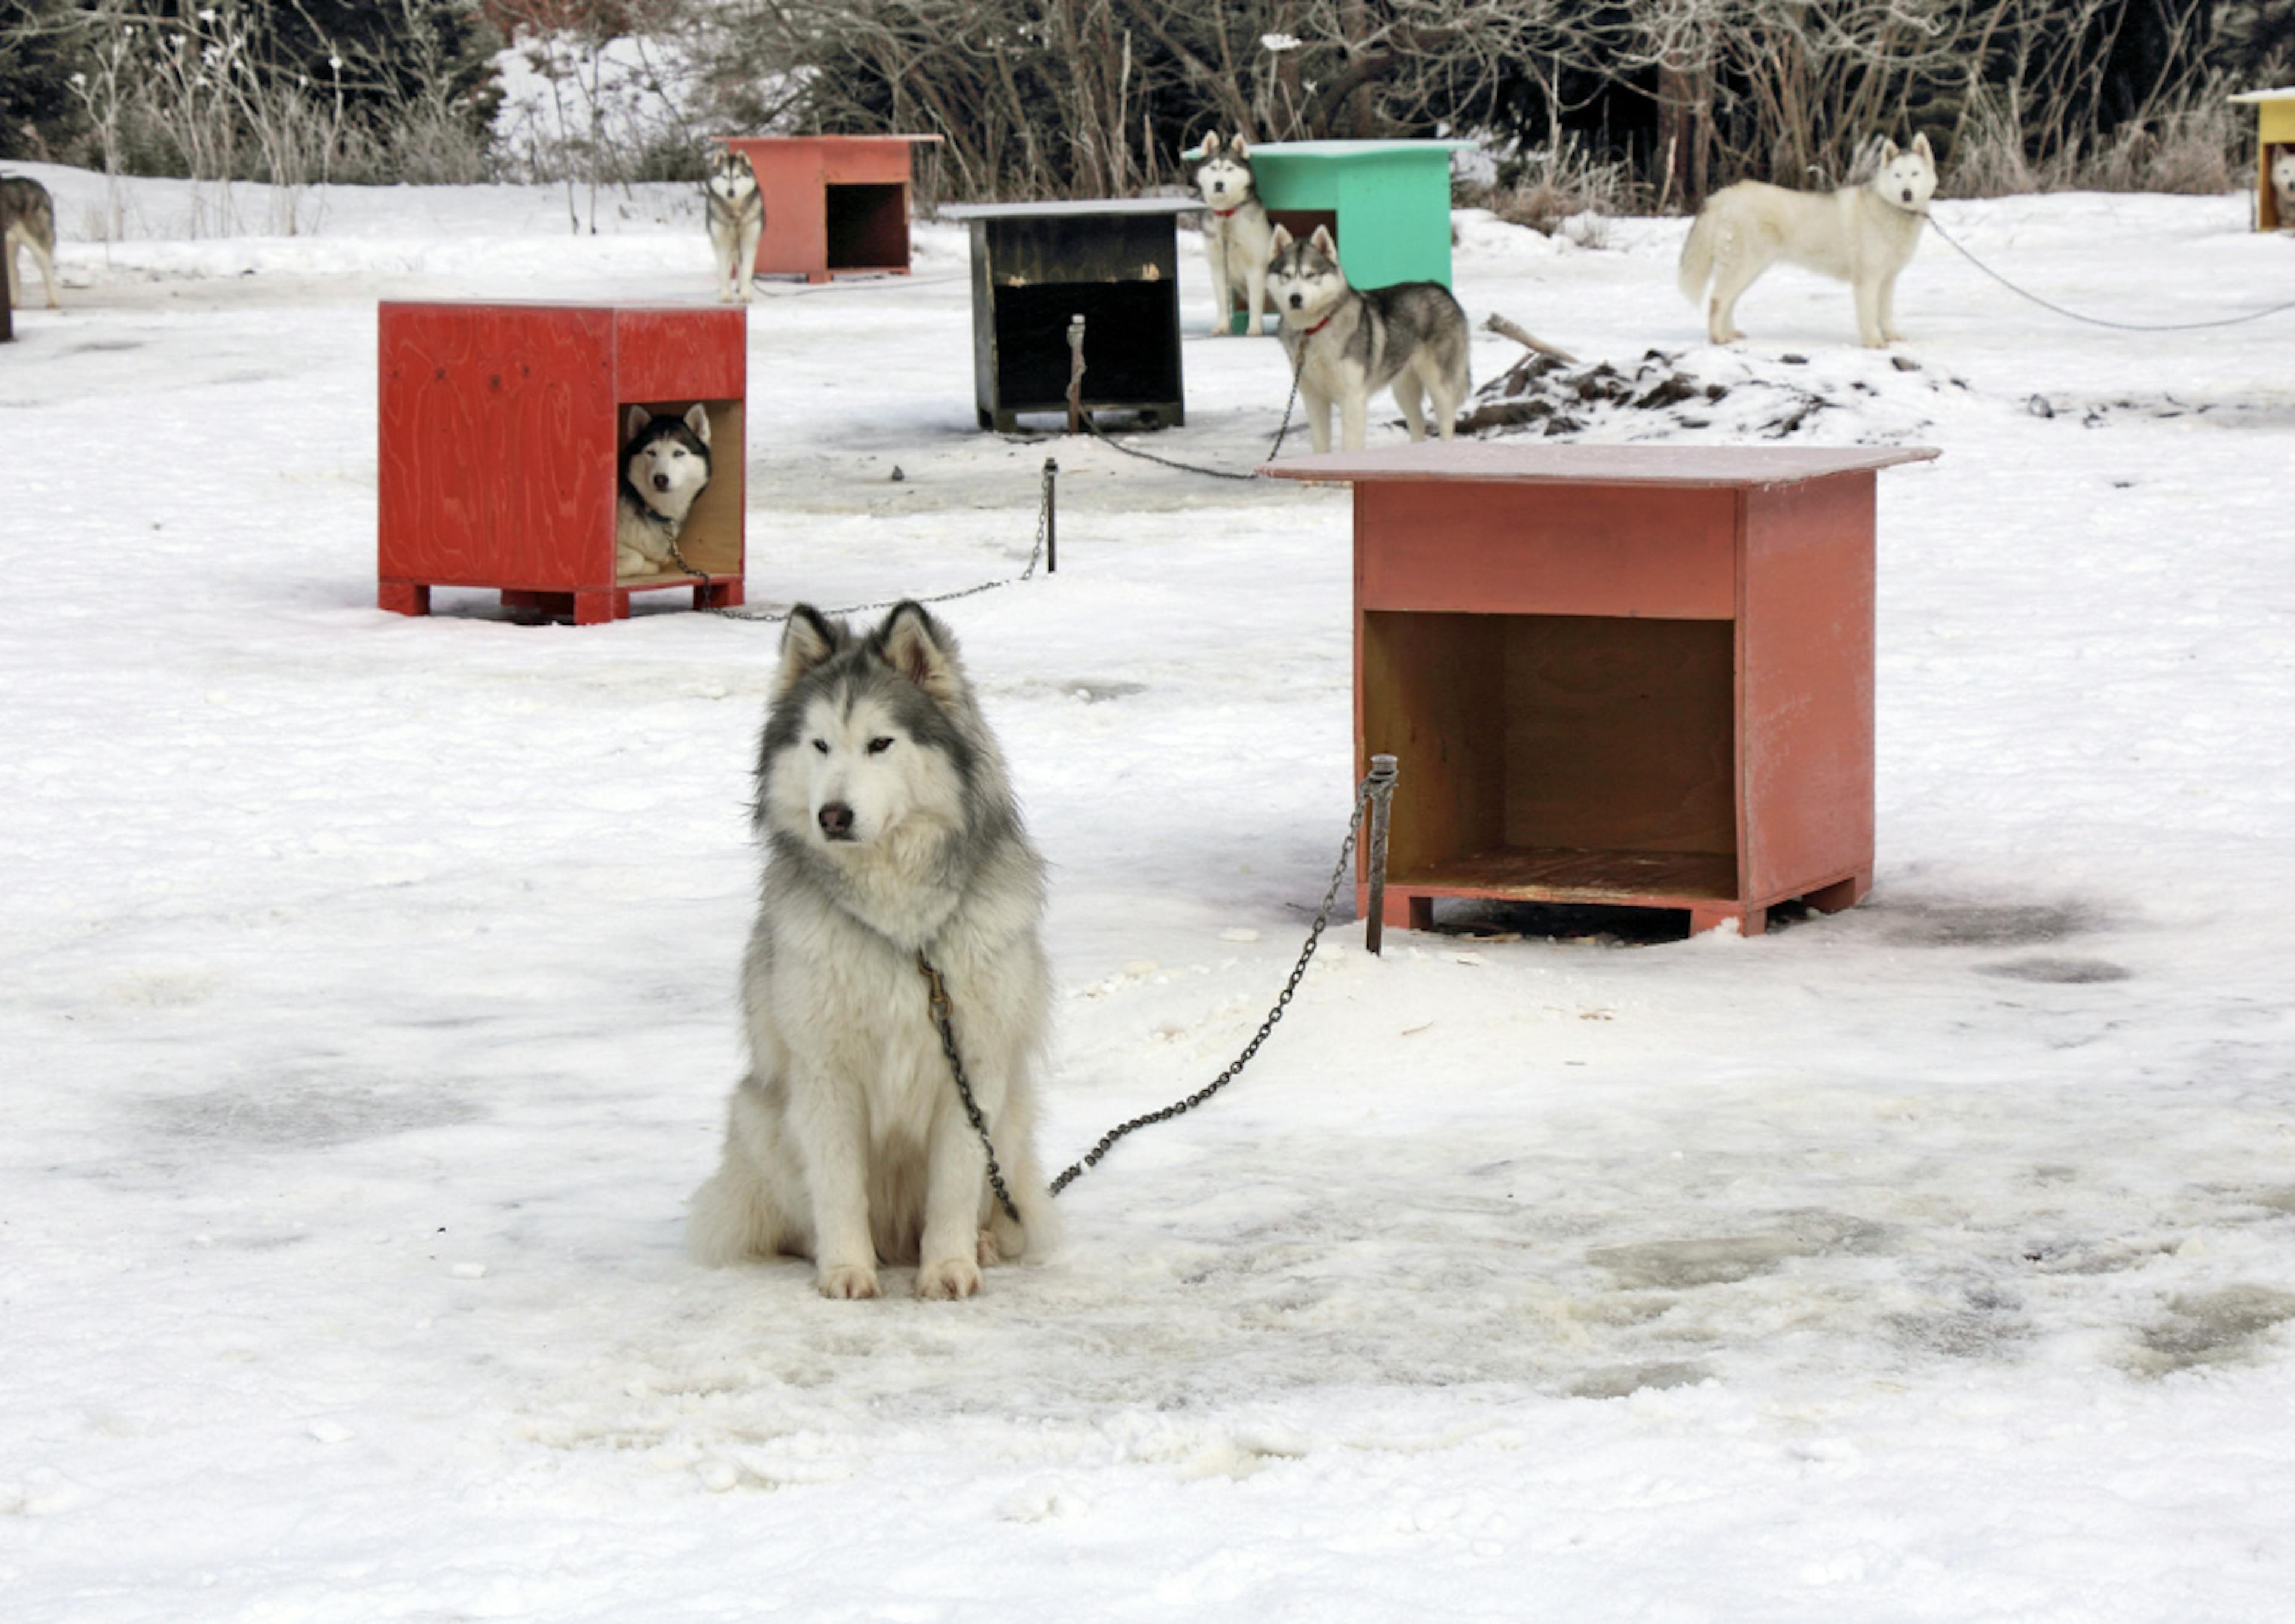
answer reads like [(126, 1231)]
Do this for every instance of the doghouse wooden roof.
[(1509, 462)]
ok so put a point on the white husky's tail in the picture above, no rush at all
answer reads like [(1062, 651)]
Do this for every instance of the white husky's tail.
[(1697, 256)]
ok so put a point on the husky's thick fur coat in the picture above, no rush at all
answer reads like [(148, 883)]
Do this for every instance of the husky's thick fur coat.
[(1346, 344), (1238, 239), (890, 833), (1863, 235), (737, 219), (665, 465), (31, 216)]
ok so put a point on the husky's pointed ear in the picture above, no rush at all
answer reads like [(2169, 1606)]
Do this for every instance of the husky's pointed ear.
[(1239, 149), (1888, 151), (698, 420), (639, 418), (1921, 146), (1323, 242), (809, 640), (921, 649), (1212, 145), (1281, 240)]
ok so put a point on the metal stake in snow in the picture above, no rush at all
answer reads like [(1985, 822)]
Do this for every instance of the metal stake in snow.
[(1380, 788), (1075, 374)]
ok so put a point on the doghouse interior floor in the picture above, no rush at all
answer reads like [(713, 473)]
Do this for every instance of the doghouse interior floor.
[(1548, 874)]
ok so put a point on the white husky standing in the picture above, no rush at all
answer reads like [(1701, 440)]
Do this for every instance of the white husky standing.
[(1239, 238), (2283, 186), (1863, 235), (891, 840), (737, 219)]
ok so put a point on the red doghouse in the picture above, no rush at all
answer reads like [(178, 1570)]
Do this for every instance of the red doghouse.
[(500, 431)]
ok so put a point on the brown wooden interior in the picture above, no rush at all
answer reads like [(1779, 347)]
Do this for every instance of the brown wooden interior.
[(2267, 201), (1301, 223), (1557, 757), (711, 540)]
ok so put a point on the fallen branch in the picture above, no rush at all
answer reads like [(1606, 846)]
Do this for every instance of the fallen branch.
[(1505, 329)]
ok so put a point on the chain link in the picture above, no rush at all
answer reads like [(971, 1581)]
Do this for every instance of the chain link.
[(1192, 468), (1035, 557), (1363, 795), (938, 998)]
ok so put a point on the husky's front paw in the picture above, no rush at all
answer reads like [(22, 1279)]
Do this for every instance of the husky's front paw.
[(948, 1279), (849, 1282)]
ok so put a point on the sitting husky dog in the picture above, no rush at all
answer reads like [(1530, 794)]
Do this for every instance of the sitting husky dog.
[(737, 219), (1863, 235), (31, 216), (2283, 188), (1346, 344), (891, 838), (1237, 239), (665, 465)]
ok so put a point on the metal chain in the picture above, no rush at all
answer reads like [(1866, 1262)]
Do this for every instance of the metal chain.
[(1363, 795), (2097, 320), (938, 1000), (1035, 557), (1192, 468)]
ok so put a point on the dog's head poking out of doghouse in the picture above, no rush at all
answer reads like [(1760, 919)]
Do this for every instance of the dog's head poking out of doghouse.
[(2283, 184), (666, 460)]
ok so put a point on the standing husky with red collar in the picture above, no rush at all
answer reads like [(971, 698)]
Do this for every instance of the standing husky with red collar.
[(1347, 343), (1237, 238)]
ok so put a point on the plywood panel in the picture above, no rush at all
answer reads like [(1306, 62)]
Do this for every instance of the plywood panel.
[(1618, 734), (1570, 550), (1805, 694), (1431, 688), (496, 452)]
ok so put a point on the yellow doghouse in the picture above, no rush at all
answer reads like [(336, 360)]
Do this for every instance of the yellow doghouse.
[(2274, 112)]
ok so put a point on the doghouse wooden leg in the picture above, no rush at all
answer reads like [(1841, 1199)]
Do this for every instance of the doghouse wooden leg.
[(1750, 921), (1407, 912), (1841, 894), (718, 595), (596, 608), (403, 597)]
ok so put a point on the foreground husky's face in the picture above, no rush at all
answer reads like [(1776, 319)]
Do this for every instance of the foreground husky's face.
[(1907, 176), (1303, 279), (863, 743), (666, 459), (731, 177), (1224, 175), (2282, 175)]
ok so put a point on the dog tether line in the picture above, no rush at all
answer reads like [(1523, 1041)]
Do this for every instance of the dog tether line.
[(939, 1006), (2097, 320)]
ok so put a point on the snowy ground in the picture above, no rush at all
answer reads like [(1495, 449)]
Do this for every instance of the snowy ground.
[(367, 1008)]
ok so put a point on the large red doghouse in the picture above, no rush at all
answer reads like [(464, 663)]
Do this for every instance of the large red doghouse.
[(500, 435), (835, 205), (1629, 675)]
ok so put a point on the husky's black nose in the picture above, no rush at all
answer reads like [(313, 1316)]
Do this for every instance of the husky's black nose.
[(836, 821), (1908, 194), (661, 481), (1298, 301)]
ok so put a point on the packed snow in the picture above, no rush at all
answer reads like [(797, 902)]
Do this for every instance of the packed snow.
[(369, 1007)]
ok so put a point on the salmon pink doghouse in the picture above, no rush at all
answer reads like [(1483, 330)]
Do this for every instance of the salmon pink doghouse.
[(501, 434), (835, 205), (1631, 675)]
